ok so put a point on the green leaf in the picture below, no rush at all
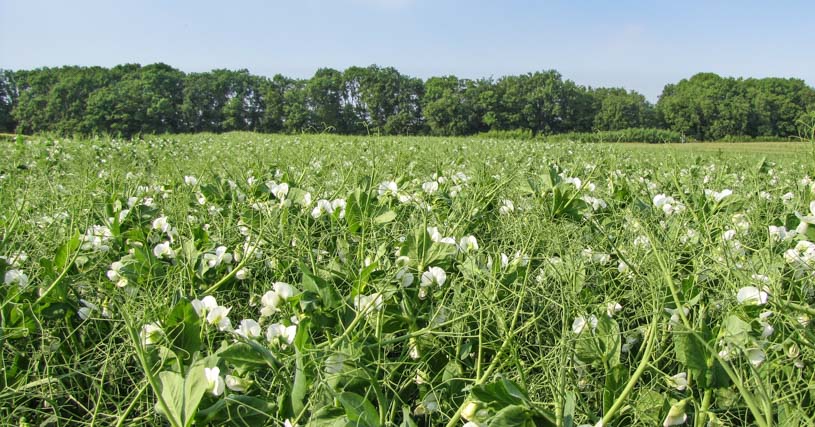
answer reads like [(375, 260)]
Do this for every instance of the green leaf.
[(616, 379), (182, 395), (328, 416), (689, 350), (359, 410), (502, 393), (64, 252), (195, 385), (650, 406), (299, 388), (318, 285), (183, 328), (171, 390), (736, 331), (189, 253), (513, 415), (385, 218), (407, 421), (568, 410), (245, 357), (238, 410), (608, 339)]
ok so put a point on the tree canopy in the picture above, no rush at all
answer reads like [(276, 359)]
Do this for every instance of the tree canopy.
[(132, 99)]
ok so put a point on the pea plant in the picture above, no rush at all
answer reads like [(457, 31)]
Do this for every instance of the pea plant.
[(245, 279)]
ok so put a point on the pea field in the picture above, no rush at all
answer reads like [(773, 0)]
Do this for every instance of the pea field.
[(281, 280)]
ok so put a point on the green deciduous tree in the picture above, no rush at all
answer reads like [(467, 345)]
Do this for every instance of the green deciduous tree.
[(618, 109), (130, 99), (8, 100), (146, 100)]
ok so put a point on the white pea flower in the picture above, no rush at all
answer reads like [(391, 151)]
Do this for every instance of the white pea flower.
[(751, 295), (271, 300), (338, 205), (115, 274), (323, 207), (388, 188), (676, 415), (595, 203), (430, 187), (404, 277), (718, 196), (96, 238), (766, 328), (280, 191), (468, 244), (369, 303), (613, 308), (285, 290), (580, 322), (429, 404), (15, 259), (86, 310), (507, 207), (780, 233), (163, 251), (806, 221), (668, 204), (190, 180), (248, 328), (623, 268), (269, 303), (151, 334), (679, 381), (16, 277), (445, 240), (802, 257), (413, 349), (642, 241), (741, 223), (755, 356), (242, 274), (218, 317), (220, 256), (577, 182), (433, 276), (161, 224), (237, 384), (277, 332), (675, 317), (204, 305), (215, 383), (630, 341)]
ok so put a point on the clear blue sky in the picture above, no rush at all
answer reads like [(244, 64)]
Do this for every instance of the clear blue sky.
[(639, 45)]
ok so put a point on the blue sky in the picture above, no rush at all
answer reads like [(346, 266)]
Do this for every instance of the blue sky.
[(638, 45)]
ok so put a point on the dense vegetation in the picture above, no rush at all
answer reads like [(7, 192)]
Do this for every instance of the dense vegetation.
[(131, 99), (267, 280)]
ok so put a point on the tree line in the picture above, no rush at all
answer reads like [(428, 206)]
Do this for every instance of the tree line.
[(132, 99)]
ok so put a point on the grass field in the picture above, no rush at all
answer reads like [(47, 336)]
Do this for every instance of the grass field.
[(248, 279)]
